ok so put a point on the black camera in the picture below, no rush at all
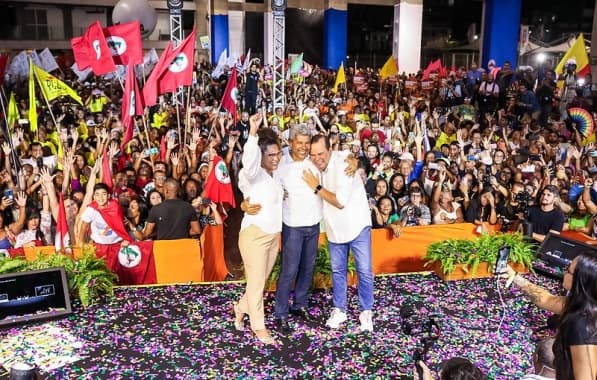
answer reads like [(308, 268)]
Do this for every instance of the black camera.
[(414, 211), (524, 198), (415, 324)]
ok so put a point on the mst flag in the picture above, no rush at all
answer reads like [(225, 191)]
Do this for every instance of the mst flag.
[(62, 240), (132, 104), (124, 41), (150, 90), (180, 66), (230, 98), (52, 87), (218, 187), (91, 50)]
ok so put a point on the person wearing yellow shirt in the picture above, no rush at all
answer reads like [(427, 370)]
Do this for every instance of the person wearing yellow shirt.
[(160, 118), (280, 116), (97, 101), (342, 124), (446, 136)]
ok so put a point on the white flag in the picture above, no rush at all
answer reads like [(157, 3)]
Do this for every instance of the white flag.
[(219, 70), (246, 63), (48, 63), (19, 65), (81, 74), (149, 60)]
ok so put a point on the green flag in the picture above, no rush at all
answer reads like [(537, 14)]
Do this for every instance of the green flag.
[(296, 65)]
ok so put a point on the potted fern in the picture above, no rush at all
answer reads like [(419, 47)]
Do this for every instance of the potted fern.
[(463, 259)]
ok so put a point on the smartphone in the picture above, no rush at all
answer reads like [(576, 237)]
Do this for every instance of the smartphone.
[(593, 153), (471, 157), (535, 157), (433, 166), (502, 260), (40, 162), (205, 201), (8, 194), (493, 146)]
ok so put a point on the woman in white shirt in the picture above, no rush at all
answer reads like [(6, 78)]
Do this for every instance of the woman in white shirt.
[(259, 235)]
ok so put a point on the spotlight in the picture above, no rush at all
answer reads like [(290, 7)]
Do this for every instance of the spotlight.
[(541, 57)]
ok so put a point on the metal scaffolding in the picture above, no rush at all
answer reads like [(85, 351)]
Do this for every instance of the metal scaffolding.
[(176, 36), (279, 42)]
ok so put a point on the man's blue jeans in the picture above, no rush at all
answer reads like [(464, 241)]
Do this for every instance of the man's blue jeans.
[(361, 250), (299, 251)]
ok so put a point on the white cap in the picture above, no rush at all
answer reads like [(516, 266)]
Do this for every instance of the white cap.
[(407, 156)]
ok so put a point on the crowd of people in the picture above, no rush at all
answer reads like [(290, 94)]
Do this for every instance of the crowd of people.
[(491, 147)]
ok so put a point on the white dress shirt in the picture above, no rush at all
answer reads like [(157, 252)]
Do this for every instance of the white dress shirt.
[(302, 207), (344, 225), (266, 190)]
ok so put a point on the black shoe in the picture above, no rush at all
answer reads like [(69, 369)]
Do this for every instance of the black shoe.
[(302, 313), (283, 326)]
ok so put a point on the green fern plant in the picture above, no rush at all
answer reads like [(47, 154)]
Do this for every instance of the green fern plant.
[(471, 253)]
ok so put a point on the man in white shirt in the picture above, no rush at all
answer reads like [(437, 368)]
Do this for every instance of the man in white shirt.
[(348, 226), (301, 214)]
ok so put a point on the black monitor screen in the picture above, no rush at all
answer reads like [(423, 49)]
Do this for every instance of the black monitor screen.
[(33, 295), (559, 251)]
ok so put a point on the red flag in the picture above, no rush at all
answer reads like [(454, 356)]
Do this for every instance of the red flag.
[(135, 264), (132, 104), (91, 50), (150, 90), (124, 41), (107, 170), (113, 216), (163, 148), (433, 66), (3, 65), (230, 98), (180, 66), (62, 240), (218, 187), (443, 72)]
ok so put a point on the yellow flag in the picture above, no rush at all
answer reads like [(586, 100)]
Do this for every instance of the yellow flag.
[(577, 52), (13, 111), (53, 87), (340, 77), (32, 105), (389, 68)]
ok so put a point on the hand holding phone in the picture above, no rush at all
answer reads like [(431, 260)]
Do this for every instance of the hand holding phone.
[(501, 264)]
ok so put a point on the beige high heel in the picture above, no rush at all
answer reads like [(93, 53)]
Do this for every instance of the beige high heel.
[(264, 336), (239, 323)]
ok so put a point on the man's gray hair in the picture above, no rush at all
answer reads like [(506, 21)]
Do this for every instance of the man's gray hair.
[(299, 129)]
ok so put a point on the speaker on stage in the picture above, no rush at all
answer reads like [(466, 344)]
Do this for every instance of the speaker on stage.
[(33, 296)]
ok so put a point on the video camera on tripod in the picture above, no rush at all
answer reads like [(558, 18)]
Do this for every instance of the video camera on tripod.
[(417, 325)]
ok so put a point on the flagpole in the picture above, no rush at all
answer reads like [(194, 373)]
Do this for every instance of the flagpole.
[(147, 136), (13, 152), (178, 123), (187, 115)]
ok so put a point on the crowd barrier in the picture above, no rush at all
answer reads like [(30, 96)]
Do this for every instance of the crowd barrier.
[(180, 261)]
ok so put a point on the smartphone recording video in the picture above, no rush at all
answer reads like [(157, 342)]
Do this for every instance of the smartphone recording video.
[(502, 261)]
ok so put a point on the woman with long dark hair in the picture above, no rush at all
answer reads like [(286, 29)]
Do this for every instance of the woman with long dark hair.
[(575, 347)]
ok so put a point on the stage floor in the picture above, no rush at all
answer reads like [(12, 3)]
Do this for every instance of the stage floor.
[(185, 332)]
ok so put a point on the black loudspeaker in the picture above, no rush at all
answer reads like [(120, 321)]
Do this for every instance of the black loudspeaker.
[(33, 296), (558, 251)]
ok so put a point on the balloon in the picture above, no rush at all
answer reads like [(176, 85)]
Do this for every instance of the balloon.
[(131, 10)]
